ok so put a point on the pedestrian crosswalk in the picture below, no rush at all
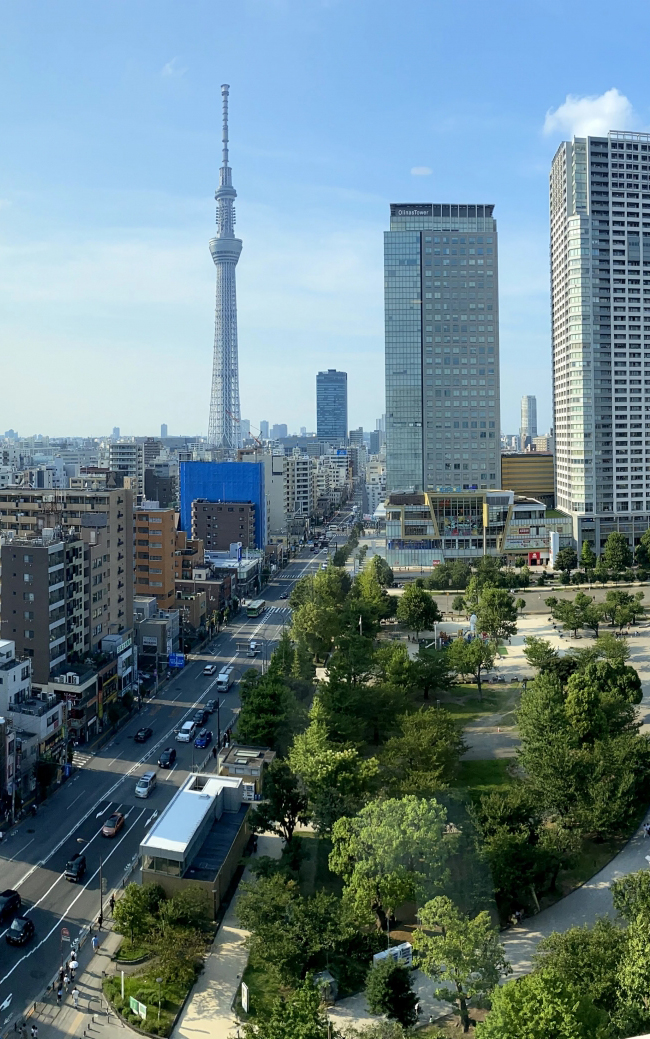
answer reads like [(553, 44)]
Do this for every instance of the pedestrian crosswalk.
[(80, 759), (281, 610)]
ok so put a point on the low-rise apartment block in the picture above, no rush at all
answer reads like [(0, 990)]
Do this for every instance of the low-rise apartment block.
[(155, 547)]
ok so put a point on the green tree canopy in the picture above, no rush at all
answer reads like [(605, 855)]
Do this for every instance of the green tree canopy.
[(300, 1015), (269, 712), (424, 757), (587, 556), (463, 951), (288, 931), (472, 659), (335, 778), (497, 613), (132, 912), (542, 1006), (566, 559), (588, 958), (617, 553), (389, 991), (284, 805), (417, 610), (539, 653), (392, 851)]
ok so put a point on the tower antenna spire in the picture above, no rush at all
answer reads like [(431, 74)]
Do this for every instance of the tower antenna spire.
[(225, 90)]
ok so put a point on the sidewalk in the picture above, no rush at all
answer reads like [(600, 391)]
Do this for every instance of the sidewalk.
[(92, 1018), (208, 1012)]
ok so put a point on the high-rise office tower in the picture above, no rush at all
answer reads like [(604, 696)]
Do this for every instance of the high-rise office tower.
[(163, 431), (264, 429), (528, 428), (223, 427), (600, 252), (332, 406), (442, 348)]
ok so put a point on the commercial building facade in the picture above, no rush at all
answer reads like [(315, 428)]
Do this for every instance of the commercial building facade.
[(221, 524), (531, 474), (103, 519), (332, 407), (127, 459), (224, 482), (600, 269), (155, 547), (423, 530), (442, 348)]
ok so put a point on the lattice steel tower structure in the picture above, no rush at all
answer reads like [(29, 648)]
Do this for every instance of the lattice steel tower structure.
[(224, 425)]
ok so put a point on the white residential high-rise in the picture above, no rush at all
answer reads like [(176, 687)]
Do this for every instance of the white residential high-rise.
[(442, 348), (224, 426), (600, 245), (528, 428)]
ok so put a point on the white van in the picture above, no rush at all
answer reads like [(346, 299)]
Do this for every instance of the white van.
[(145, 784), (253, 648), (225, 679), (186, 732)]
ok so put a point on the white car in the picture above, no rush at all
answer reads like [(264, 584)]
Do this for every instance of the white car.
[(209, 669)]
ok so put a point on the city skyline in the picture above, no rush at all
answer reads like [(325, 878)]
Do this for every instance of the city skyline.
[(104, 193)]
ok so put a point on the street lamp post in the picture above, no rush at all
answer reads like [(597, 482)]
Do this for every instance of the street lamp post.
[(159, 983)]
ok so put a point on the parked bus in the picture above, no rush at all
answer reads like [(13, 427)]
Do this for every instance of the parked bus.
[(255, 608)]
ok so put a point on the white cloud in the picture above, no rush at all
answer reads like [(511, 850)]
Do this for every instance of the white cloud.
[(594, 115), (173, 68), (421, 171)]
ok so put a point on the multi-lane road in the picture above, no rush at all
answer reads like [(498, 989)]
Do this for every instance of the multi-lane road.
[(33, 856)]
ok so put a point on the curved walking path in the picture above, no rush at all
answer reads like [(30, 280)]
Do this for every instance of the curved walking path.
[(582, 906)]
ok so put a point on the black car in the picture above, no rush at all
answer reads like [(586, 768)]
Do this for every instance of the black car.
[(211, 706), (75, 868), (10, 903), (200, 717), (167, 757), (142, 735), (21, 930)]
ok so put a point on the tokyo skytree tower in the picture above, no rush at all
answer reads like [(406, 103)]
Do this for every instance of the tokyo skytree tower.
[(224, 430)]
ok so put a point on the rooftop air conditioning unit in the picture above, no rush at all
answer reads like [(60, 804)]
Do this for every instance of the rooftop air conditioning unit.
[(72, 678)]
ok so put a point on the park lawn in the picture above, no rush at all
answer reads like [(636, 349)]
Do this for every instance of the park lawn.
[(143, 987), (263, 990), (502, 651), (483, 777), (462, 701)]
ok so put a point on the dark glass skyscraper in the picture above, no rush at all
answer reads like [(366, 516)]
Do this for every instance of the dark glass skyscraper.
[(332, 406)]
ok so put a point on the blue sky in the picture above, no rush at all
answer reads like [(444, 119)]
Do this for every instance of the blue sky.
[(109, 131)]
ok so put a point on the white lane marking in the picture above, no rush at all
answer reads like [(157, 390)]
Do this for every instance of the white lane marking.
[(115, 759), (73, 802), (74, 900), (169, 771), (22, 849), (125, 776)]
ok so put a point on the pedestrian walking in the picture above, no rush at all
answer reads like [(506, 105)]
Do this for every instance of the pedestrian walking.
[(59, 995), (214, 751), (61, 973), (112, 903), (72, 966), (66, 982), (95, 943), (75, 997)]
